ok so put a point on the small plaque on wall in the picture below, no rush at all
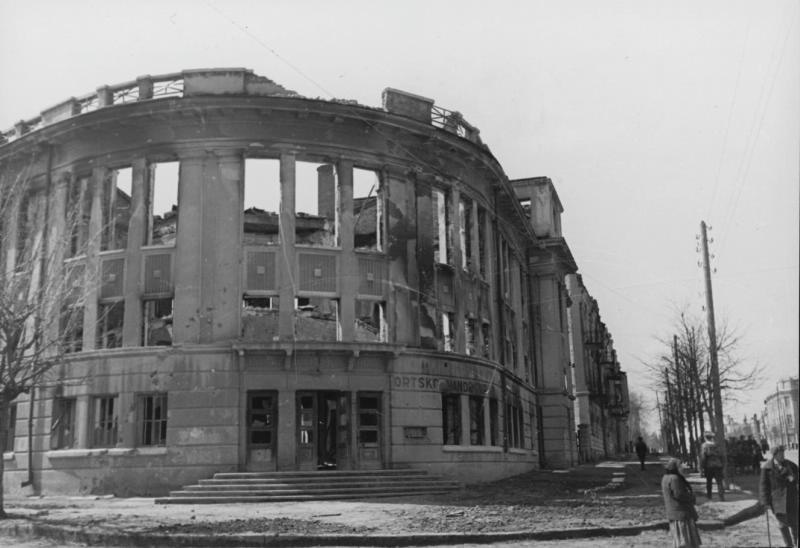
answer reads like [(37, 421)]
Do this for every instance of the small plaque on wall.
[(415, 432)]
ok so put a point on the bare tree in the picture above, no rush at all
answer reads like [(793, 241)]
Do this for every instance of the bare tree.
[(682, 372), (41, 298)]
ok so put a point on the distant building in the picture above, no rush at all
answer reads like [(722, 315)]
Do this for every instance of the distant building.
[(287, 283), (602, 403), (779, 419)]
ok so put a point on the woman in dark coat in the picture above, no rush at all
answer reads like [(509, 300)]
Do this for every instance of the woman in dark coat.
[(778, 490), (679, 503)]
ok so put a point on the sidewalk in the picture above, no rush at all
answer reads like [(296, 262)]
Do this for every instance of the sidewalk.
[(612, 498)]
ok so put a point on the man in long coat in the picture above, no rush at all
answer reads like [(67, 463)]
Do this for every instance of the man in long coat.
[(778, 490)]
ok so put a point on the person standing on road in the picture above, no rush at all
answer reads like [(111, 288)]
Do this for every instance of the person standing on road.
[(777, 490), (641, 450), (679, 504), (711, 465)]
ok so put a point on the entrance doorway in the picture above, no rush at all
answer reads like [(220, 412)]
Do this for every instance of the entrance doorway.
[(323, 430), (262, 436)]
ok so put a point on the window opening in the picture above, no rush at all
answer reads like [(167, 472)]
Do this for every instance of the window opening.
[(62, 424), (448, 332), (486, 335), (465, 232), (368, 210), (109, 324), (260, 317), (262, 199), (469, 332), (116, 206), (441, 226), (482, 242), (494, 439), (370, 321), (79, 206), (157, 317), (163, 203), (71, 324), (451, 419), (316, 204), (317, 319), (104, 421), (11, 428), (476, 435), (152, 419)]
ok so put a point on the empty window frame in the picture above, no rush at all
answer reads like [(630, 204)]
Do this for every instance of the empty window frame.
[(62, 423), (152, 418), (470, 336), (116, 208), (514, 425), (11, 429), (317, 319), (476, 423), (71, 321), (104, 417), (260, 316), (157, 322), (448, 332), (370, 321), (442, 246), (482, 259), (78, 211), (368, 210), (451, 419), (262, 199), (110, 319), (162, 203), (465, 226), (486, 340), (316, 204)]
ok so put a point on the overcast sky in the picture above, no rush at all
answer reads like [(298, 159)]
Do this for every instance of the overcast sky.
[(648, 116)]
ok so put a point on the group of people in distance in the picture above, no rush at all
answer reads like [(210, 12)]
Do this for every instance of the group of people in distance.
[(778, 492)]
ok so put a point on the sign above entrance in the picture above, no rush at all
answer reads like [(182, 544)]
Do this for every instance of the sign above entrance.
[(438, 384)]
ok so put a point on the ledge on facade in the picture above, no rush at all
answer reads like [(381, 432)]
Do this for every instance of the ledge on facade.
[(549, 252), (472, 449), (109, 451), (8, 455)]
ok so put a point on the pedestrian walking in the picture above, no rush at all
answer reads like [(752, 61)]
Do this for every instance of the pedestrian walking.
[(679, 503), (711, 465), (777, 490), (641, 450)]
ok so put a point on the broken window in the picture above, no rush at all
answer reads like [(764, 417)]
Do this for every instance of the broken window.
[(368, 210), (262, 199), (62, 424), (157, 318), (163, 203), (317, 319), (486, 335), (448, 332), (494, 439), (469, 333), (465, 232), (514, 424), (476, 434), (78, 211), (260, 317), (110, 317), (482, 242), (441, 226), (370, 321), (316, 204), (104, 421), (71, 324), (116, 207)]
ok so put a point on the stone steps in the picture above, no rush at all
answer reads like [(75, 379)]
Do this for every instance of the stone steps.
[(232, 487)]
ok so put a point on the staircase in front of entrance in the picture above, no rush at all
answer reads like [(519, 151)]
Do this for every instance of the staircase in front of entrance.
[(299, 486)]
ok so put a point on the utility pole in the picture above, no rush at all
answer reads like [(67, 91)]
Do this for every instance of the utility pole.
[(719, 421)]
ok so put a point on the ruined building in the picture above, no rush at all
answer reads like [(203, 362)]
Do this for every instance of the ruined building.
[(274, 282)]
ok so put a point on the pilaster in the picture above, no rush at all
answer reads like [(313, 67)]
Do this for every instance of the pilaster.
[(287, 269)]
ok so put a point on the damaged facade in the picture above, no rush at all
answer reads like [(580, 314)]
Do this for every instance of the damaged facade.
[(287, 283)]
